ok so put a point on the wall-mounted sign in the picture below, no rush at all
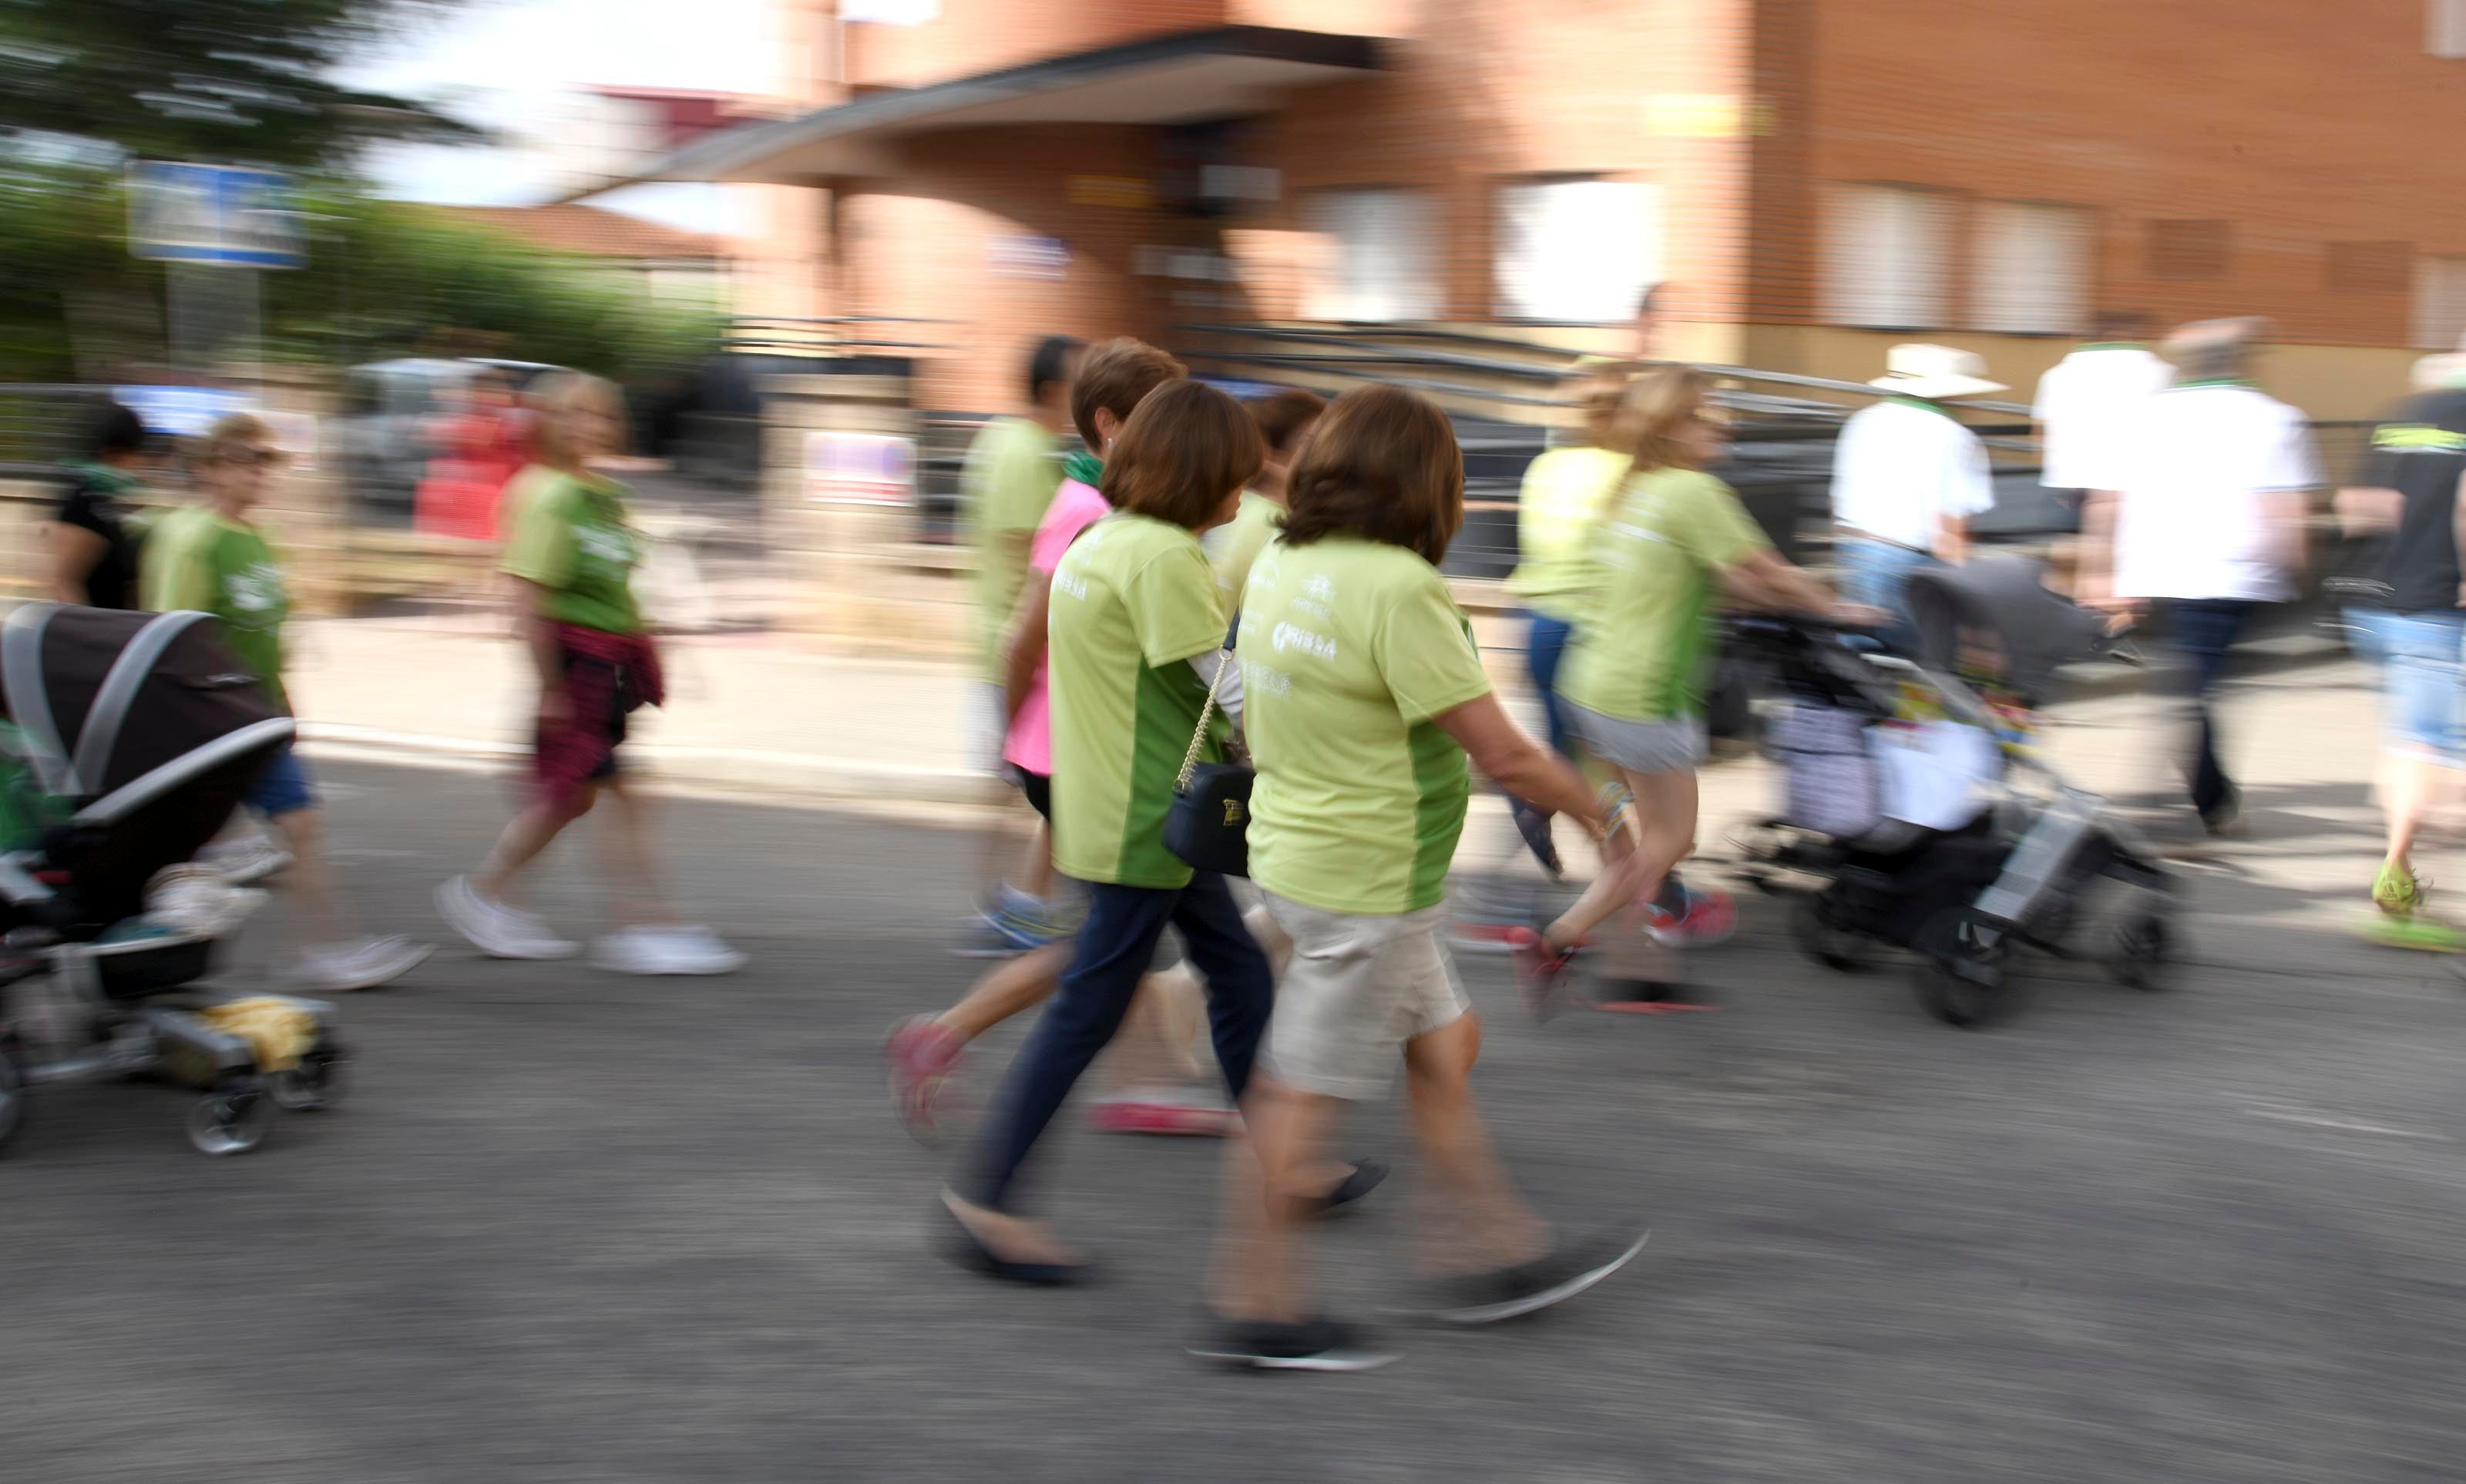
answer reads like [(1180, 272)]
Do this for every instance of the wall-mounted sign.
[(860, 468), (1012, 256)]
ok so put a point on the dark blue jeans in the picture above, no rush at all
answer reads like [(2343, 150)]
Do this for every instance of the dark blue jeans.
[(1115, 948), (1545, 643), (2199, 633)]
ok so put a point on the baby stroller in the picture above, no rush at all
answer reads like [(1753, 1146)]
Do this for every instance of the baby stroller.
[(132, 737), (1906, 795)]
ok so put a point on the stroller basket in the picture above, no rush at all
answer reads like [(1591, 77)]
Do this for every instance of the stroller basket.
[(143, 966)]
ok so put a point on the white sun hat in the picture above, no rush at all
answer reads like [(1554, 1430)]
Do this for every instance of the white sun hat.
[(1935, 373)]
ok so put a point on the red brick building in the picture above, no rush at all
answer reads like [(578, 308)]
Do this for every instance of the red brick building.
[(1818, 177)]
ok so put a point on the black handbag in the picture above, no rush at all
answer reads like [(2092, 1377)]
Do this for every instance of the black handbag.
[(1209, 822)]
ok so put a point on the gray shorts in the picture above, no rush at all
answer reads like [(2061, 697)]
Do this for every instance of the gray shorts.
[(1355, 990), (1677, 745)]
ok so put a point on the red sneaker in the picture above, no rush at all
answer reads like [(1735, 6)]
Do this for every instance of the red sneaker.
[(1167, 1110), (922, 1056), (1710, 917), (1540, 973)]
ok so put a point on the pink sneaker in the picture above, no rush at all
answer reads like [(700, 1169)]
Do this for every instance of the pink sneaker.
[(1167, 1110), (922, 1056), (1710, 917)]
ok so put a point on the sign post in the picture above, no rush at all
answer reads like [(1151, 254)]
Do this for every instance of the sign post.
[(199, 221)]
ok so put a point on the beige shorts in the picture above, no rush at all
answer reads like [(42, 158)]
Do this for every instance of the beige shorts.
[(1355, 990)]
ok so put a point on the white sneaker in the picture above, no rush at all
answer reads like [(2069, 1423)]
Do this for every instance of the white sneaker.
[(241, 863), (494, 929), (676, 950), (339, 968)]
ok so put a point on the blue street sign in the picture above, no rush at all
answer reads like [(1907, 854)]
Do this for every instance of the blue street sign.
[(224, 214), (183, 412)]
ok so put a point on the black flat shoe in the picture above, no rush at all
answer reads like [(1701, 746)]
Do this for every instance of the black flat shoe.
[(1366, 1177), (964, 1248)]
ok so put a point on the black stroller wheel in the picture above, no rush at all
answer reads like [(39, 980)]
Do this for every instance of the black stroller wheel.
[(230, 1121), (12, 1098), (316, 1084), (1959, 978), (2145, 947), (1833, 947)]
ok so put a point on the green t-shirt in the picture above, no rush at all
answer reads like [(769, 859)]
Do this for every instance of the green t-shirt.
[(196, 559), (1009, 479), (1234, 546), (1566, 491), (1642, 653), (570, 536), (1132, 602), (1348, 648)]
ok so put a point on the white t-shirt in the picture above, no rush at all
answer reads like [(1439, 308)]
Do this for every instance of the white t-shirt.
[(2090, 402), (1901, 467), (2193, 521)]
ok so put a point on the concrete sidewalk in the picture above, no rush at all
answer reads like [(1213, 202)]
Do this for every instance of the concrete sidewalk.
[(756, 714)]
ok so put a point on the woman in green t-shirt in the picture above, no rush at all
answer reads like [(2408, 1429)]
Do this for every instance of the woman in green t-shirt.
[(572, 556), (1363, 696), (1674, 546), (1134, 639)]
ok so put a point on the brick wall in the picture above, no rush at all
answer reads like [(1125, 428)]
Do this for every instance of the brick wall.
[(970, 37), (2297, 124)]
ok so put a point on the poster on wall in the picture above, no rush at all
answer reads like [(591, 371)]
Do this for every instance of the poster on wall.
[(860, 468)]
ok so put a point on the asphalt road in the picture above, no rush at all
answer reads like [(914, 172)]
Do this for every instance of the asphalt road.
[(573, 1227)]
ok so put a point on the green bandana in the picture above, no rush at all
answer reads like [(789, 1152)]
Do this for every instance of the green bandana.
[(1084, 467)]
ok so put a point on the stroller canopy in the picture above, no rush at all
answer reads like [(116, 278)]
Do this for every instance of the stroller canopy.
[(125, 707), (2006, 596)]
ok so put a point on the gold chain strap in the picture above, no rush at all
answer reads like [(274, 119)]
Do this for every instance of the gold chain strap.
[(1206, 714)]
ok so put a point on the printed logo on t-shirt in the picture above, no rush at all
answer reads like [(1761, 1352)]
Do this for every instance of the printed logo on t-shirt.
[(605, 546), (256, 596), (2414, 437), (1293, 637)]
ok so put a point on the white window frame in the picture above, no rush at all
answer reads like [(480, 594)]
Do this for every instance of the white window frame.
[(2033, 268), (1888, 258), (2444, 28), (2440, 307), (1381, 264), (1575, 249)]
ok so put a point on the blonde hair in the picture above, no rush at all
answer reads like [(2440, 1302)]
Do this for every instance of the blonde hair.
[(1597, 391), (560, 393), (1653, 416), (231, 432)]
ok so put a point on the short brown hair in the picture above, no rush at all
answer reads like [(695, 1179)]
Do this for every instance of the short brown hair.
[(1116, 375), (1186, 450), (231, 432), (1654, 413), (1384, 465), (1281, 416)]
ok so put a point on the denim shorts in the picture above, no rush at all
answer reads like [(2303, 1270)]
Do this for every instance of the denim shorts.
[(282, 788), (1675, 744), (2423, 680)]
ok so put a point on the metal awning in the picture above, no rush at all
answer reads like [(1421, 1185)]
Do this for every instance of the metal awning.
[(1190, 78)]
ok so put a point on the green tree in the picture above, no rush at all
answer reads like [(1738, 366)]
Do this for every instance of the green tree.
[(219, 80)]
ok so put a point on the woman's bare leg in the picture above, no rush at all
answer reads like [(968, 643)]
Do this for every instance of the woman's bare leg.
[(1662, 819), (1467, 1190)]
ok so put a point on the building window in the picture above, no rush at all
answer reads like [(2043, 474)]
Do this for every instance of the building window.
[(1887, 254), (2189, 249), (2444, 28), (2369, 267), (2033, 270), (1380, 258), (1577, 251), (2440, 302)]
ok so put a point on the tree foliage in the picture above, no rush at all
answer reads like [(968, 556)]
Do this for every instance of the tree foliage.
[(382, 278), (222, 81)]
